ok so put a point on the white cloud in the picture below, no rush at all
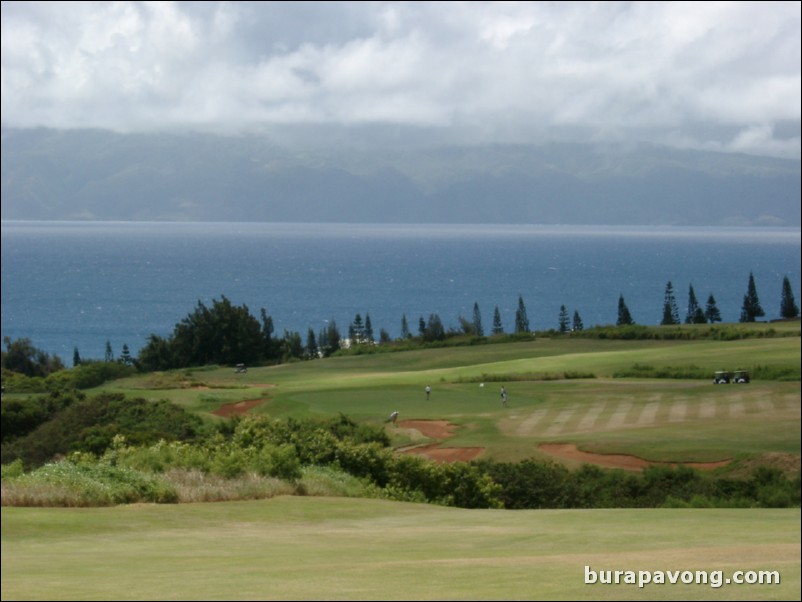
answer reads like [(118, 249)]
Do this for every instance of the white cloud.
[(515, 71)]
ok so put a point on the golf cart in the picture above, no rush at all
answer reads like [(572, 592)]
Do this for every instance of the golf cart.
[(740, 377), (722, 378)]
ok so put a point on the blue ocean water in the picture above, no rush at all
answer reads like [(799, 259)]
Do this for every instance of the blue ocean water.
[(79, 284)]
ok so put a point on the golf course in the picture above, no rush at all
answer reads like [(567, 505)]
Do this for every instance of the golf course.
[(615, 404)]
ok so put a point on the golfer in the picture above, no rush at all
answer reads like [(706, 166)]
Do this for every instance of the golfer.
[(503, 396)]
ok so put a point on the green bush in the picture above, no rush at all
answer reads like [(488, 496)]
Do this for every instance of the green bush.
[(96, 484)]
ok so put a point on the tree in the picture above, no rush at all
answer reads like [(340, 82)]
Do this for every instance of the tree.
[(356, 331), (477, 321), (712, 313), (125, 357), (434, 330), (220, 334), (329, 339), (270, 347), (751, 309), (293, 348), (311, 344), (788, 306), (109, 357), (498, 328), (21, 356), (577, 325), (405, 334), (76, 357), (563, 319), (521, 319), (695, 314), (368, 329), (670, 311), (624, 317), (422, 327)]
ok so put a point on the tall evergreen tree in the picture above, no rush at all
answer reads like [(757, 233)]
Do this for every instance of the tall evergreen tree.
[(478, 330), (270, 348), (76, 357), (670, 311), (751, 309), (712, 313), (368, 329), (788, 306), (695, 314), (109, 357), (498, 328), (356, 331), (577, 325), (330, 339), (434, 329), (521, 319), (422, 327), (311, 344), (563, 319), (624, 317), (405, 334), (125, 356)]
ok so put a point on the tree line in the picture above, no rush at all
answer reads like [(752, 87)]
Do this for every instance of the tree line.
[(227, 334)]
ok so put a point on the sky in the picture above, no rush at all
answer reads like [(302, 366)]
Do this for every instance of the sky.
[(721, 76)]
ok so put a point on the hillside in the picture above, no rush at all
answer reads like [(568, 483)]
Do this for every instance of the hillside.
[(100, 175)]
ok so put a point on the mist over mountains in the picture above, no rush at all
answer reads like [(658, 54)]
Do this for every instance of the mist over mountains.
[(50, 174)]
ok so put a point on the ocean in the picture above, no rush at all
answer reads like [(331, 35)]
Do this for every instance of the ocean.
[(68, 285)]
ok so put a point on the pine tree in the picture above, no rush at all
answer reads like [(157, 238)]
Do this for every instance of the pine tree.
[(670, 311), (498, 328), (405, 334), (712, 313), (695, 314), (76, 357), (422, 327), (356, 331), (521, 319), (577, 325), (311, 345), (125, 357), (368, 329), (434, 329), (109, 357), (788, 306), (563, 320), (624, 317), (478, 330), (751, 309)]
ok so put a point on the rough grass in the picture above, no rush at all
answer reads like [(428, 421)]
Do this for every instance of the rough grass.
[(339, 549)]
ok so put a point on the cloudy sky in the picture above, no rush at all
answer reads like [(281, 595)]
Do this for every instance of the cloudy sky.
[(703, 75)]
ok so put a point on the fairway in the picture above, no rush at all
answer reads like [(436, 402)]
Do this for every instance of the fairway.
[(666, 420), (356, 549)]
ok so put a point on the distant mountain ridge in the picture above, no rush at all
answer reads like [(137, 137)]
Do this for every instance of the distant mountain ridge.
[(100, 175)]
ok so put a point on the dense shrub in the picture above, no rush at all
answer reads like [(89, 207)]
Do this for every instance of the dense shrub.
[(91, 424), (89, 484)]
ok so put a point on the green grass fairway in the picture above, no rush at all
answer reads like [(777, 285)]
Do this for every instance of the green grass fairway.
[(660, 420), (352, 549)]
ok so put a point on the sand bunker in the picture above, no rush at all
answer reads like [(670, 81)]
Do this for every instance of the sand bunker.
[(237, 409), (438, 429), (569, 451)]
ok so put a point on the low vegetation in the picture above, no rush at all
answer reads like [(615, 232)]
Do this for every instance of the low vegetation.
[(153, 437)]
